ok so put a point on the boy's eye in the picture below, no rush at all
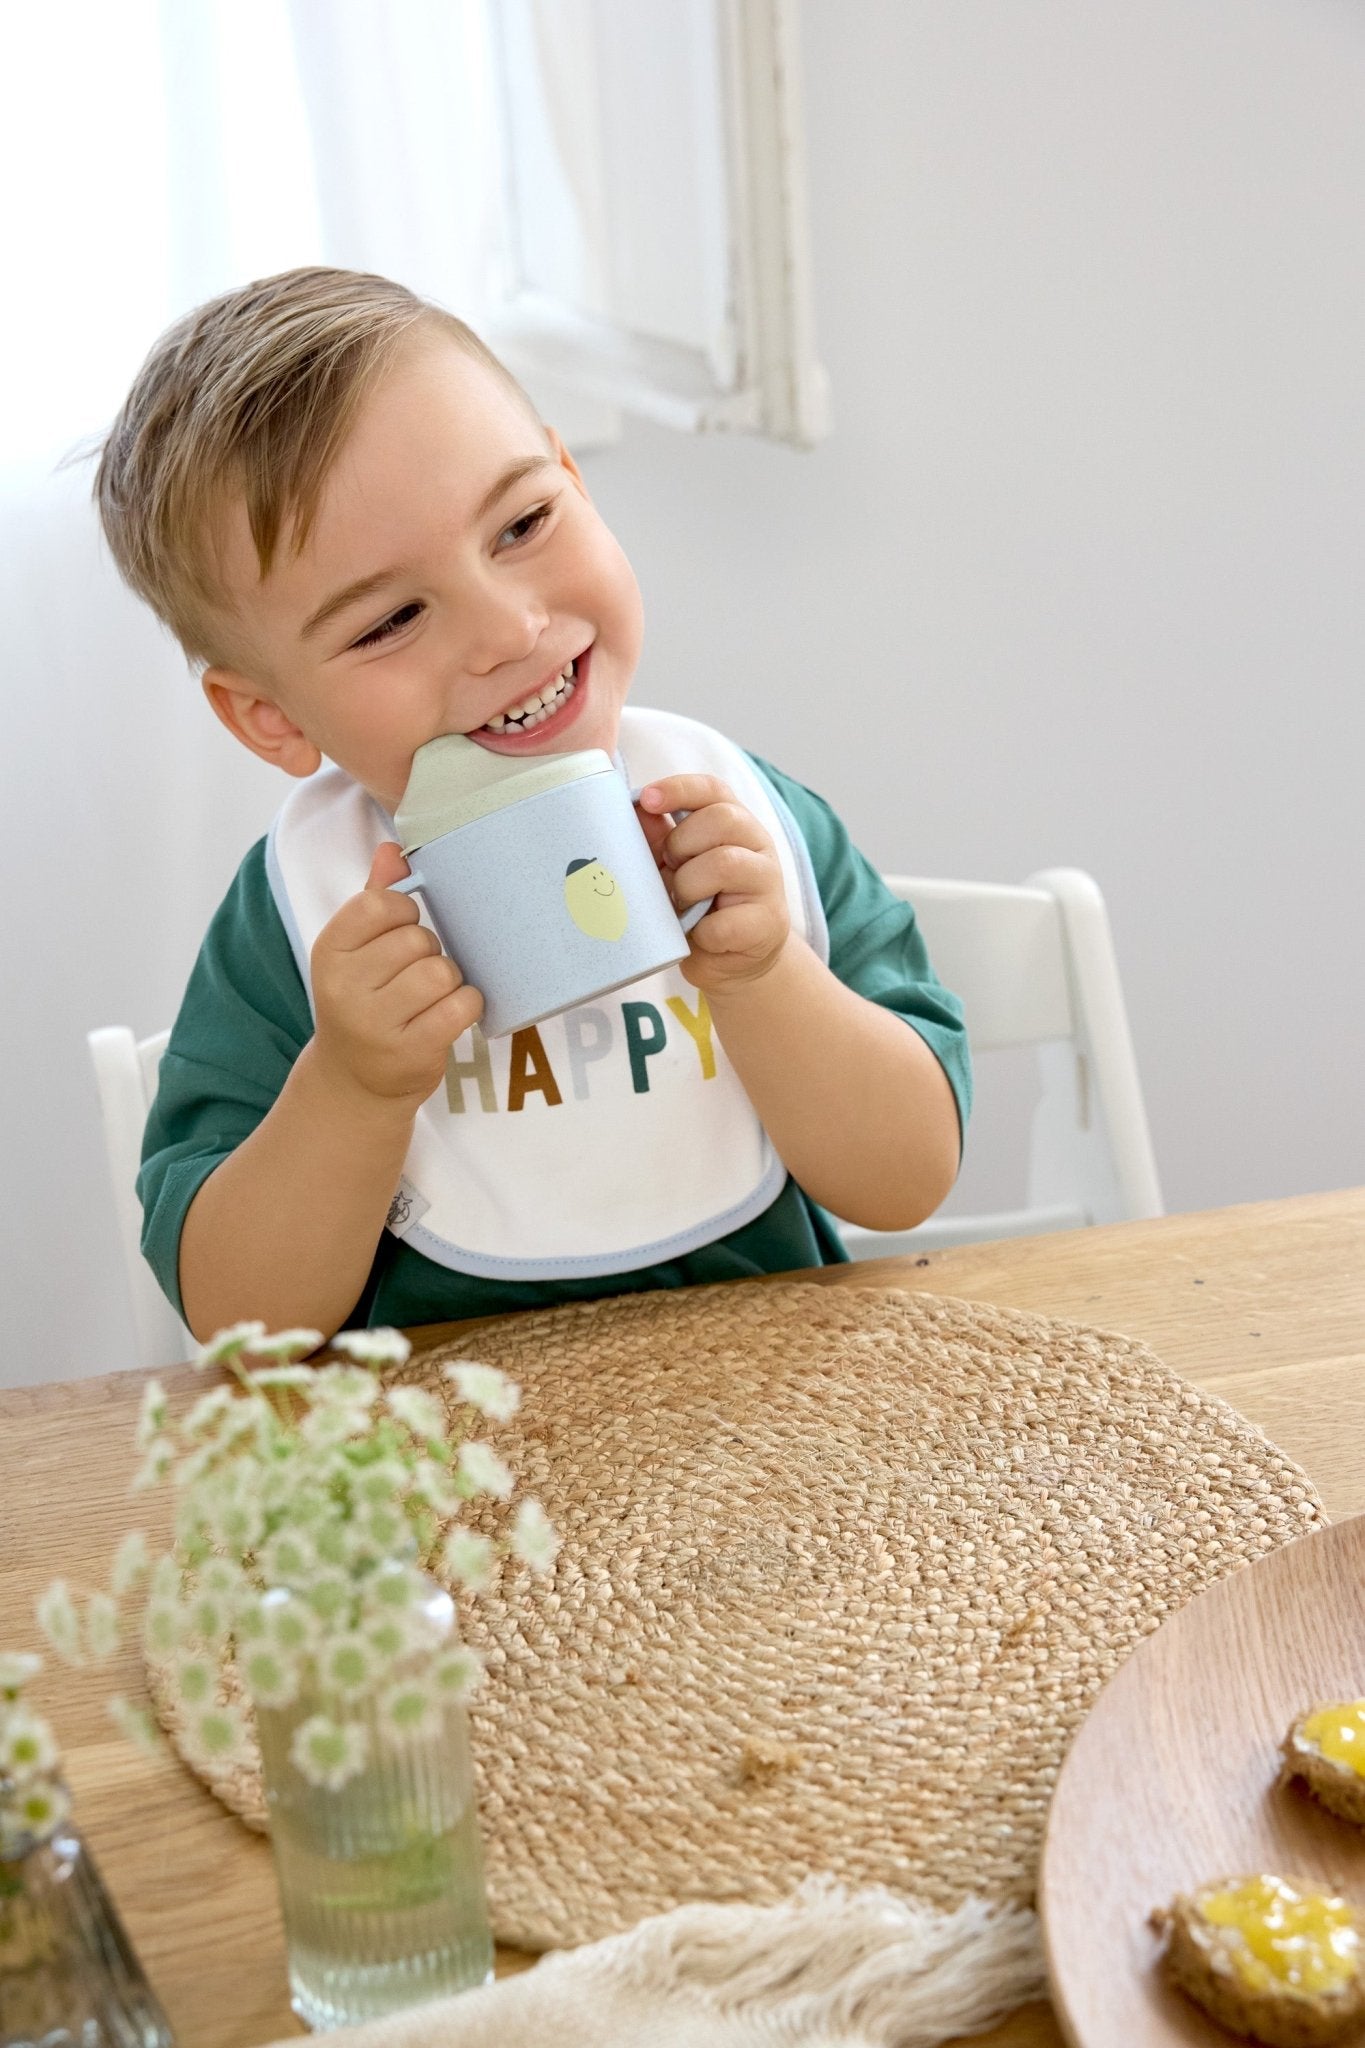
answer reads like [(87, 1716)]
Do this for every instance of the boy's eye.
[(523, 528), (387, 627)]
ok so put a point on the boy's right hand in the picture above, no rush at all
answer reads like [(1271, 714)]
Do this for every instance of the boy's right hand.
[(389, 1003)]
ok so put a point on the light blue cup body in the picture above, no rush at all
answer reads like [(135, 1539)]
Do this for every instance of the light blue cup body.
[(549, 899)]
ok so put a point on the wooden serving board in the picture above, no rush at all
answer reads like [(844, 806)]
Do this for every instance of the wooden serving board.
[(1171, 1782)]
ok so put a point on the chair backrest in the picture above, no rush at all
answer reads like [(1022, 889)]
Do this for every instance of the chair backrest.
[(125, 1074), (1035, 967)]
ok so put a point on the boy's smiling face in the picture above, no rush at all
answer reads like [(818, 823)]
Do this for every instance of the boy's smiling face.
[(455, 569)]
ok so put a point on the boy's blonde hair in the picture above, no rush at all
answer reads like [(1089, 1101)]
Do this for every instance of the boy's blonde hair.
[(248, 397)]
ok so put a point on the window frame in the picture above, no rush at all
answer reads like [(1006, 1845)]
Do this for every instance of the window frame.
[(761, 375)]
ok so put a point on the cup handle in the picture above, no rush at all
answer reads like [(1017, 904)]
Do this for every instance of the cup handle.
[(698, 910), (416, 880)]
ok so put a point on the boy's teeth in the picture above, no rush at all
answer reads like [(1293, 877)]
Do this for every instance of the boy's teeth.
[(537, 708)]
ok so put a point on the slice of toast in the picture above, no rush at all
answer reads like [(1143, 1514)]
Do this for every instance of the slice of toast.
[(1214, 1966), (1335, 1784)]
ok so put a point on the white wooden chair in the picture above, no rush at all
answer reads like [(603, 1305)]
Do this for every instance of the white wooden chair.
[(1035, 966), (125, 1074)]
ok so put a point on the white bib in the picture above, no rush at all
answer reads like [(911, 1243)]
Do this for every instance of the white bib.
[(615, 1136)]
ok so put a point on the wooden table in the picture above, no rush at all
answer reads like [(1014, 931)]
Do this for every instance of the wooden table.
[(1265, 1305)]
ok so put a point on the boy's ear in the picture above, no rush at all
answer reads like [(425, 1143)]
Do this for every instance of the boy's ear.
[(566, 461), (259, 724)]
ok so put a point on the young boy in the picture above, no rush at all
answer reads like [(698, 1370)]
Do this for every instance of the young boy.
[(351, 515)]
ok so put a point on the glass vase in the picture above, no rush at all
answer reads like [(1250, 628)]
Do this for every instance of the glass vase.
[(68, 1974), (380, 1878)]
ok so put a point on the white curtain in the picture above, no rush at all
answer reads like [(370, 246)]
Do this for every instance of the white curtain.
[(155, 152)]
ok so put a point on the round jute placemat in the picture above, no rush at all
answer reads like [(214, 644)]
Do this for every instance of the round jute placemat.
[(842, 1570)]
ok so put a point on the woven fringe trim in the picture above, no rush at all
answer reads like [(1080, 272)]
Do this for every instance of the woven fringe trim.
[(830, 1963), (829, 1968)]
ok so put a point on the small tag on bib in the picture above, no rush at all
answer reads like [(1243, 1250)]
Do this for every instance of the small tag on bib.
[(407, 1208)]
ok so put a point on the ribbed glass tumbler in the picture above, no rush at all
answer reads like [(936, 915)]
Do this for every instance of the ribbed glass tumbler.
[(380, 1876)]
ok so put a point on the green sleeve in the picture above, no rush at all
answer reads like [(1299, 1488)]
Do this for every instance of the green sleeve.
[(242, 1024), (875, 944)]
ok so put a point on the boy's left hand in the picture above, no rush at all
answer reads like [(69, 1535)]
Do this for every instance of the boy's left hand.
[(719, 850)]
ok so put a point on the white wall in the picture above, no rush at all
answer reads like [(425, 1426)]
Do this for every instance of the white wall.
[(1078, 578), (1075, 580)]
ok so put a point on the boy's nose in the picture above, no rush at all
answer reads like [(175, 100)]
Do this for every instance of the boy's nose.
[(506, 629)]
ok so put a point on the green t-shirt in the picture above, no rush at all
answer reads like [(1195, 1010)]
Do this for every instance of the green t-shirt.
[(245, 1019)]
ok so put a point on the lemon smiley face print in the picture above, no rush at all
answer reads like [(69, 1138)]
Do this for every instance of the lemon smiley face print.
[(595, 899)]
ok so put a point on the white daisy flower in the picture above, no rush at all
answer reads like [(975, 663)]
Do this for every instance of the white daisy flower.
[(287, 1558), (373, 1347), (384, 1480), (457, 1673), (223, 1577), (352, 1385), (329, 1423), (17, 1667), (60, 1623), (136, 1725), (389, 1636), (290, 1377), (101, 1627), (249, 1624), (208, 1410), (329, 1753), (159, 1458), (151, 1415), (533, 1538), (228, 1345), (234, 1513), (349, 1665), (216, 1734), (287, 1345), (192, 1470), (385, 1527), (329, 1593), (420, 1411), (195, 1679), (291, 1626), (248, 1416), (272, 1678), (332, 1467), (269, 1430), (165, 1579), (338, 1543), (482, 1471), (209, 1616), (42, 1806), (432, 1483), (408, 1710), (277, 1481), (485, 1388), (394, 1590), (130, 1563), (163, 1627), (28, 1748), (192, 1540), (470, 1559)]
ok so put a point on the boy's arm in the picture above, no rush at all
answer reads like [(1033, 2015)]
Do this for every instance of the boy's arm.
[(857, 1106), (285, 1228), (856, 1103)]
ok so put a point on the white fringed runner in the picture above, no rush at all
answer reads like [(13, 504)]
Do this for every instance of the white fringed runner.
[(829, 1968)]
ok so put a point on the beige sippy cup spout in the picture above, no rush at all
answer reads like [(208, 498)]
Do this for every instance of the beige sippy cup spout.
[(453, 781)]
